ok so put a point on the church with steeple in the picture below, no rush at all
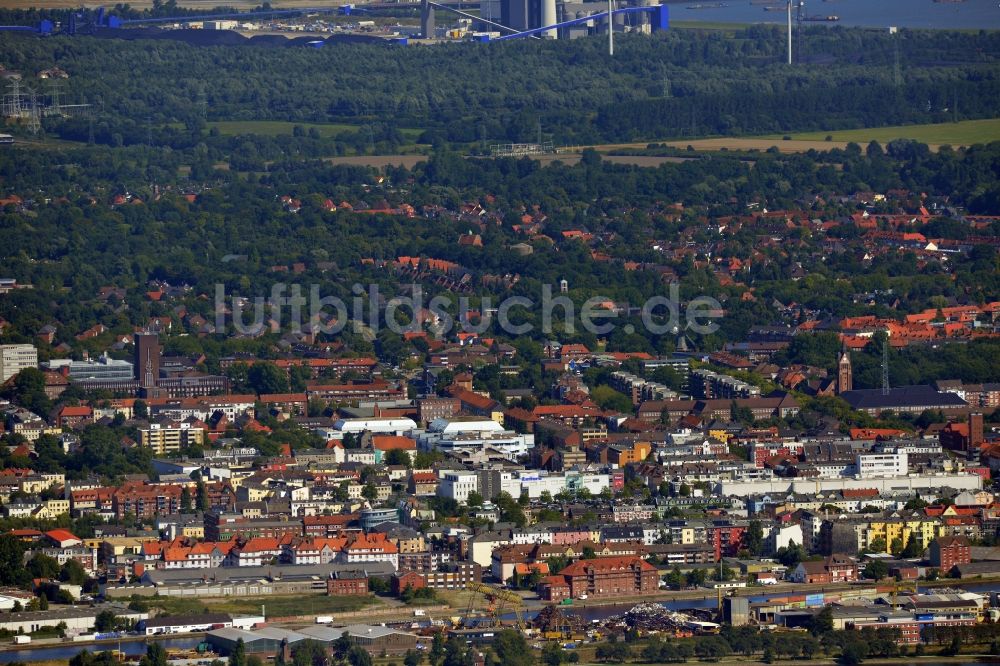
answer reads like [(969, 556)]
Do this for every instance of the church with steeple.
[(845, 375)]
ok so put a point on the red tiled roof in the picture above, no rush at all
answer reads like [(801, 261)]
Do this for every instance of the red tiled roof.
[(69, 410), (875, 433), (152, 548), (282, 397), (376, 542), (581, 567), (391, 442), (260, 544), (175, 555), (477, 401), (564, 411), (858, 493), (62, 535)]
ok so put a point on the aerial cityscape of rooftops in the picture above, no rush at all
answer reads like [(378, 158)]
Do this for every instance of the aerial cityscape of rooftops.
[(482, 332)]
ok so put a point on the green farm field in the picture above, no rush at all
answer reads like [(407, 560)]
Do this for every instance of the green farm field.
[(964, 133)]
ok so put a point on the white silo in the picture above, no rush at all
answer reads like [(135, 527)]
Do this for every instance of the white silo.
[(549, 18)]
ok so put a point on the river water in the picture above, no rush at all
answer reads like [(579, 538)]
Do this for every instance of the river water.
[(868, 13), (66, 651)]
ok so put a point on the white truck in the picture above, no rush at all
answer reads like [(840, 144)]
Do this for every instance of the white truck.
[(324, 619), (21, 639)]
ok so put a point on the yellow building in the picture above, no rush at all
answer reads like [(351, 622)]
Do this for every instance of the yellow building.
[(32, 430), (720, 434), (194, 531), (687, 535), (170, 438), (623, 456), (36, 483), (415, 544), (588, 434), (237, 477), (254, 492), (924, 531), (52, 509), (111, 547)]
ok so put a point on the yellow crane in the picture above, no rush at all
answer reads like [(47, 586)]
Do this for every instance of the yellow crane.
[(908, 587), (498, 602)]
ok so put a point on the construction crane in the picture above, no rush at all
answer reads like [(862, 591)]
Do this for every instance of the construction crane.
[(498, 602), (907, 587)]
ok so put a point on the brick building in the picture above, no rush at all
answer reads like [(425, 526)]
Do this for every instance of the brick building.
[(221, 526), (407, 579), (327, 526), (347, 583), (725, 538), (429, 409), (140, 501), (602, 578), (947, 551), (833, 569)]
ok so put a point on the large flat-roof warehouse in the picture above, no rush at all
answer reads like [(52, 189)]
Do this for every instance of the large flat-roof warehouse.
[(270, 640)]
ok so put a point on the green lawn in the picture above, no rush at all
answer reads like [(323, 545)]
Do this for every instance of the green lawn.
[(964, 133), (282, 127), (274, 606), (172, 605), (289, 606)]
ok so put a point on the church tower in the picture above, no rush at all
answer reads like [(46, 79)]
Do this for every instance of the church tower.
[(845, 375)]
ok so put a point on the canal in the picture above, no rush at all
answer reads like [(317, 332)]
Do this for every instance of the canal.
[(68, 650)]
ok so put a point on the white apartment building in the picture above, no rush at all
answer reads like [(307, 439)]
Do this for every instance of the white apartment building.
[(533, 534), (170, 437), (811, 522), (15, 358), (872, 465), (202, 408), (317, 551), (457, 485), (782, 536), (256, 553), (200, 556), (366, 550)]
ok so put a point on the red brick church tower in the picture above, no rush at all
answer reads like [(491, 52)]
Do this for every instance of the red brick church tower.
[(845, 375)]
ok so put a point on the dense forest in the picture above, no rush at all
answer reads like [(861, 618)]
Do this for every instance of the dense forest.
[(681, 83)]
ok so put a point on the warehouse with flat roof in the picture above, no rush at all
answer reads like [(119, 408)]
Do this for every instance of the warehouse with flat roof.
[(376, 639)]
